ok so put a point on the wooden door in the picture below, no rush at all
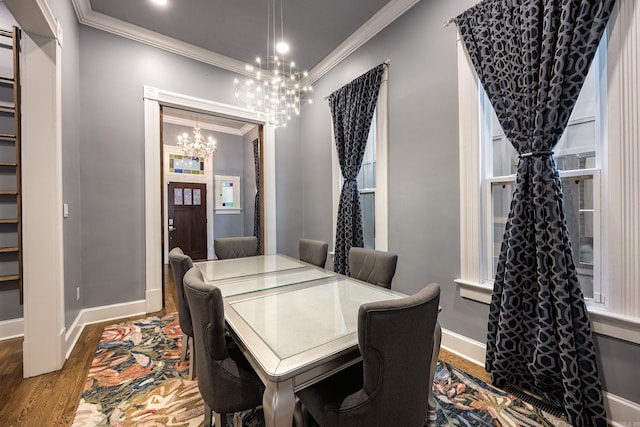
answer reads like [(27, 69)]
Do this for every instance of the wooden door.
[(187, 214)]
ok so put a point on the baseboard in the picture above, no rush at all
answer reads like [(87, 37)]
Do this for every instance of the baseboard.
[(100, 314), (620, 412), (462, 346), (13, 328)]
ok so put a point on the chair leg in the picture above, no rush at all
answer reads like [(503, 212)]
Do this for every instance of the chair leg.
[(221, 419), (192, 359), (207, 416), (183, 354)]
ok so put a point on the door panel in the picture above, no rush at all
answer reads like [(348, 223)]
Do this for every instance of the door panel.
[(187, 210)]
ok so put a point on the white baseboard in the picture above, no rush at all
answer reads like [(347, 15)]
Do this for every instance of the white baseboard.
[(103, 313), (467, 348), (153, 299), (13, 328), (620, 412)]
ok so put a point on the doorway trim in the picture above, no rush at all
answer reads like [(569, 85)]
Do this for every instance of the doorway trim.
[(153, 98)]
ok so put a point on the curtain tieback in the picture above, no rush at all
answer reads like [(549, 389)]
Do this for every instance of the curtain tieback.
[(536, 154)]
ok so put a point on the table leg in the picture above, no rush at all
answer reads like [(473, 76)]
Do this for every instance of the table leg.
[(431, 413), (278, 404)]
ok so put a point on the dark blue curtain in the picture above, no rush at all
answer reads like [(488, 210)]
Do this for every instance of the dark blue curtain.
[(256, 211), (532, 58), (352, 107)]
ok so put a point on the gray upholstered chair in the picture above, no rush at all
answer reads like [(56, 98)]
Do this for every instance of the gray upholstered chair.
[(391, 385), (226, 380), (313, 252), (235, 247), (180, 264), (375, 267)]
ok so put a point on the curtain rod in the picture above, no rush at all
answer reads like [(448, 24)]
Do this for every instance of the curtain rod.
[(448, 22), (386, 62)]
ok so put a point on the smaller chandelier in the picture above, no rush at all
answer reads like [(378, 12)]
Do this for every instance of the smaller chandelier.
[(274, 88), (196, 145)]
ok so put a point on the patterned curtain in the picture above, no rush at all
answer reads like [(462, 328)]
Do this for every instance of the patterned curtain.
[(256, 211), (532, 58), (352, 107)]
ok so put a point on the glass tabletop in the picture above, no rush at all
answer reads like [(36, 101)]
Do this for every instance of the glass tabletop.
[(272, 280), (240, 267), (296, 321)]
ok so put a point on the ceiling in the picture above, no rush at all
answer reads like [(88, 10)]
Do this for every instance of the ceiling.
[(231, 33)]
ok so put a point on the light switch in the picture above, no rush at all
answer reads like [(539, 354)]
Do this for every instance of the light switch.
[(65, 210)]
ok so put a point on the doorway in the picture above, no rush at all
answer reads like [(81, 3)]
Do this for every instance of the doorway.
[(196, 205), (155, 186)]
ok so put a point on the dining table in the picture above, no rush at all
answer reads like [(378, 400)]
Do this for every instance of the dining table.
[(295, 323)]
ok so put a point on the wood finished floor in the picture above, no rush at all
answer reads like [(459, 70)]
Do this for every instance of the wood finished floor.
[(52, 399)]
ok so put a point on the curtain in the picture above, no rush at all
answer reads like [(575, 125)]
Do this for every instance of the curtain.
[(352, 107), (532, 58), (256, 211)]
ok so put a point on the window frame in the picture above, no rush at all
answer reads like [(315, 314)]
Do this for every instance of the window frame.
[(618, 313)]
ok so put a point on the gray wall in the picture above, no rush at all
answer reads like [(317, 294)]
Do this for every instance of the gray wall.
[(114, 71), (228, 160), (423, 171), (72, 231)]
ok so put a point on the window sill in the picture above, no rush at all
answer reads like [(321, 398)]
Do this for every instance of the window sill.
[(626, 328)]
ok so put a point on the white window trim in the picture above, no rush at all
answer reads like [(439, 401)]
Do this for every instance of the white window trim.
[(381, 190), (619, 315)]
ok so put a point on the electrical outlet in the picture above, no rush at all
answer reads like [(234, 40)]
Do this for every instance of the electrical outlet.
[(78, 293)]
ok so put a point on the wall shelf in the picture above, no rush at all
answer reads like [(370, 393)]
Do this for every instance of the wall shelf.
[(10, 128)]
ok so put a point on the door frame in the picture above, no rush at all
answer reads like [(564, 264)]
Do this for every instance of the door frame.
[(153, 98)]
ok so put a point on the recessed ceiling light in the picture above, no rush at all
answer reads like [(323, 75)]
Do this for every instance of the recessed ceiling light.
[(160, 2)]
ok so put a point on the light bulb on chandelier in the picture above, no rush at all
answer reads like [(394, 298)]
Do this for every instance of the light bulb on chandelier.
[(274, 88), (197, 145)]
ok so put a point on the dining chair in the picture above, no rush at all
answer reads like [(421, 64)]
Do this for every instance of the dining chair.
[(390, 387), (313, 252), (235, 247), (226, 380), (375, 267), (180, 264)]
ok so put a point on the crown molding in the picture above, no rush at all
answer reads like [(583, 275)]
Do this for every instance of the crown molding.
[(209, 126), (385, 16), (89, 17), (373, 26)]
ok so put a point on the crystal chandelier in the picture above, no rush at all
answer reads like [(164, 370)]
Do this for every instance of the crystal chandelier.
[(273, 87), (196, 145)]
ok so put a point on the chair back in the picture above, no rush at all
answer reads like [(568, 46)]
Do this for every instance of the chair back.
[(235, 247), (396, 342), (375, 267), (180, 264), (225, 386), (313, 252)]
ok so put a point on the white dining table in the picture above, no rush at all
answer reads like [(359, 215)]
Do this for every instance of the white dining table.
[(295, 323)]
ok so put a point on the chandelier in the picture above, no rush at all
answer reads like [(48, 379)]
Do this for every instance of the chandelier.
[(274, 87), (196, 145)]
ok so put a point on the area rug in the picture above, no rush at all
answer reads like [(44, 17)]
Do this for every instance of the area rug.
[(136, 379)]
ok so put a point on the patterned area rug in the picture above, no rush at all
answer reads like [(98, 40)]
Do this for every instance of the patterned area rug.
[(136, 379)]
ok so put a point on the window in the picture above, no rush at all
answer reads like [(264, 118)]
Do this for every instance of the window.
[(372, 178), (597, 160), (367, 187), (576, 156)]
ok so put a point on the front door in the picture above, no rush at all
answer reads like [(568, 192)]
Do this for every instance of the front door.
[(187, 214)]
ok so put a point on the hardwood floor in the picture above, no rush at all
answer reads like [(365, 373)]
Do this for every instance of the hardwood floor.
[(51, 399)]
